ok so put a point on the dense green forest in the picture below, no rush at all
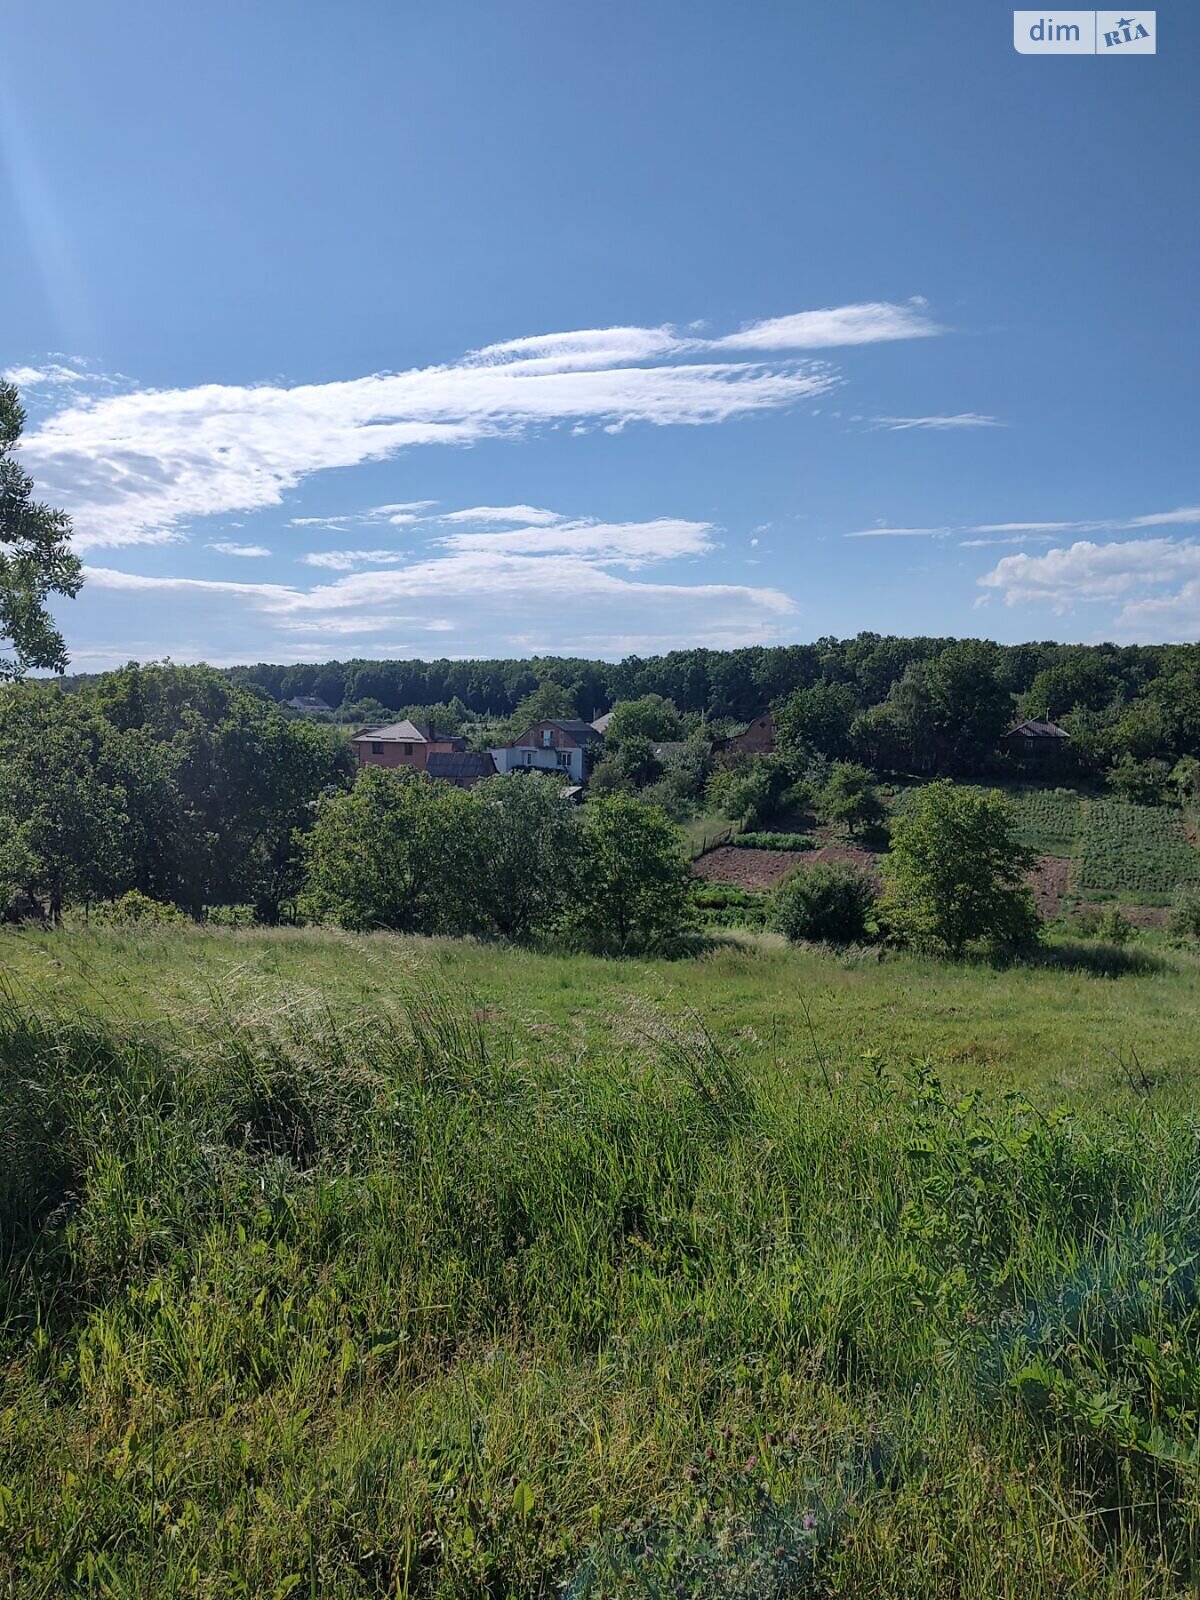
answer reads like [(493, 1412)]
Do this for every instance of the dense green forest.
[(898, 705)]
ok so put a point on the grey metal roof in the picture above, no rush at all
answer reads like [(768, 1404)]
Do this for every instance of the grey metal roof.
[(1033, 728), (457, 765), (395, 732)]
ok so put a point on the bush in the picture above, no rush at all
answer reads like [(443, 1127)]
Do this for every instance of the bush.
[(826, 903), (774, 841), (1184, 921), (135, 909), (1109, 924), (1143, 782)]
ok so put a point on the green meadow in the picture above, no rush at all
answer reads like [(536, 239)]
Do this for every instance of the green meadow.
[(369, 1266)]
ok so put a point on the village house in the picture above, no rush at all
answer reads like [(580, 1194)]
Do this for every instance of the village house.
[(756, 740), (403, 744), (307, 703), (1035, 738), (555, 745)]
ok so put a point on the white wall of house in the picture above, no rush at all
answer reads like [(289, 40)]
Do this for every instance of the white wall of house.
[(527, 758)]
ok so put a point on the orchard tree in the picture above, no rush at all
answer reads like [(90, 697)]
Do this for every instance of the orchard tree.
[(953, 874), (634, 889), (652, 717), (529, 839), (35, 558), (851, 798), (399, 851)]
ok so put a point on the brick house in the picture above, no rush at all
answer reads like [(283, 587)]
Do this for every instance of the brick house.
[(403, 744), (756, 740), (555, 745)]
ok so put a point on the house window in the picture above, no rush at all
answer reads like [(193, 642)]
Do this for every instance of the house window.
[(408, 749), (564, 758), (529, 758), (547, 738), (376, 749)]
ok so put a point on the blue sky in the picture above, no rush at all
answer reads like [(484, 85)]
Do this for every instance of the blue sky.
[(454, 329)]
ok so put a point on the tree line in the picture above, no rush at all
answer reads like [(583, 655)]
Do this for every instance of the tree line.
[(920, 705), (178, 788)]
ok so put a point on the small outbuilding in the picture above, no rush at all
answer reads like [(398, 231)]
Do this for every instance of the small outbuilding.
[(1035, 737)]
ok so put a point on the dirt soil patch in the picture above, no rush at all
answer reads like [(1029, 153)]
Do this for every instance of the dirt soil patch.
[(851, 856), (1140, 916), (762, 869), (1049, 878), (748, 869)]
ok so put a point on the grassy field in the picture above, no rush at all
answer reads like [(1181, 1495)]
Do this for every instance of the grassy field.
[(346, 1266)]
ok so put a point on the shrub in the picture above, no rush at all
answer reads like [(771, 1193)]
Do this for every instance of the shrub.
[(1184, 921), (1143, 782), (1109, 924), (826, 903), (133, 909), (774, 841)]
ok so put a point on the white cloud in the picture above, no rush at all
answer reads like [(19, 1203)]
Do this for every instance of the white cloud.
[(401, 508), (347, 560), (1033, 527), (223, 547), (530, 516), (629, 544), (1018, 538), (1154, 583), (837, 325), (130, 467), (492, 599), (1180, 517), (33, 377), (962, 419)]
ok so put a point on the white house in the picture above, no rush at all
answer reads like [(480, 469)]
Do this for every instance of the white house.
[(556, 745)]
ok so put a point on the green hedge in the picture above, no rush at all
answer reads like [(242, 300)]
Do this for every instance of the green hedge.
[(774, 841)]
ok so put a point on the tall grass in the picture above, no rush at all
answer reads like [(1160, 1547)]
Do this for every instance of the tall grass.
[(379, 1302)]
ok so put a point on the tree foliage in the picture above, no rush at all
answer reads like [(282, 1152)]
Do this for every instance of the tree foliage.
[(397, 851), (954, 872), (36, 560), (634, 889), (652, 717), (827, 903), (850, 798), (169, 780)]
